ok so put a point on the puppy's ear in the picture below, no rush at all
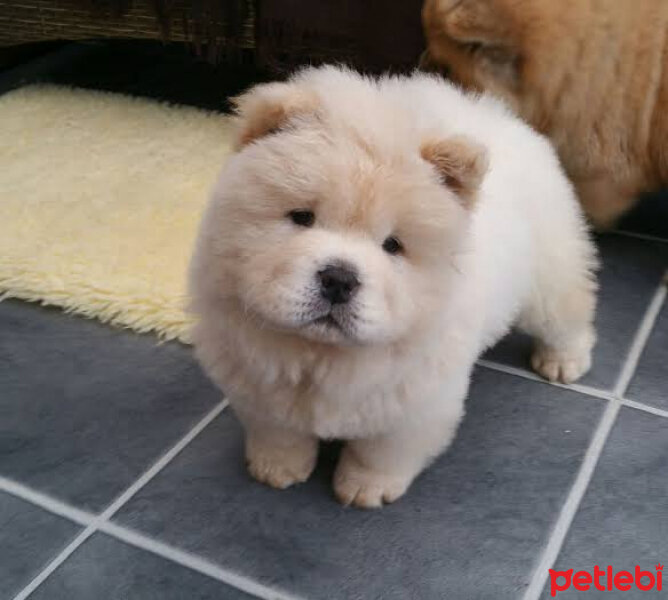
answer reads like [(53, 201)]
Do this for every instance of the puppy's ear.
[(267, 107), (460, 162)]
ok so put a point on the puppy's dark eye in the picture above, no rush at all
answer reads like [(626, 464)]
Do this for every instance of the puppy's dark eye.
[(392, 245), (303, 218)]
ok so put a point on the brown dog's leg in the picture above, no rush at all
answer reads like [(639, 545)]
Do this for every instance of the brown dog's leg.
[(604, 201)]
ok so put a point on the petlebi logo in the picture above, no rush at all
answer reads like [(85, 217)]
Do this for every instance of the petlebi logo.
[(607, 579)]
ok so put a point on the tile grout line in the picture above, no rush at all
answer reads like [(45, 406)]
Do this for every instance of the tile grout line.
[(640, 339), (163, 461), (139, 540), (639, 236), (52, 505), (659, 412), (94, 525), (585, 390), (595, 449), (56, 562), (572, 502), (193, 562)]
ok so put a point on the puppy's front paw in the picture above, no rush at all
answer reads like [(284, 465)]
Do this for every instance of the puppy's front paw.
[(364, 488), (564, 365), (280, 468)]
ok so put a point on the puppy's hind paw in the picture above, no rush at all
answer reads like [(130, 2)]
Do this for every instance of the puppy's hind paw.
[(563, 365)]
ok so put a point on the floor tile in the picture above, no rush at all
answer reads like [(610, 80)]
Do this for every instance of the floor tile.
[(111, 570), (632, 270), (469, 528), (650, 382), (622, 518), (86, 408), (29, 538)]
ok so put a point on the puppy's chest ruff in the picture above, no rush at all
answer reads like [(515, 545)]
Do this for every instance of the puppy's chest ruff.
[(339, 398)]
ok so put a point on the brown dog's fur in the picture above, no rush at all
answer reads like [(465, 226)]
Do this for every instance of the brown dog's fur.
[(590, 74)]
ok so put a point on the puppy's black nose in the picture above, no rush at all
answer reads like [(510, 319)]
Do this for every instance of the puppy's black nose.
[(338, 284)]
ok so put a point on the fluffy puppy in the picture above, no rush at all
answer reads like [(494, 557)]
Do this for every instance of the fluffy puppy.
[(590, 74), (369, 239)]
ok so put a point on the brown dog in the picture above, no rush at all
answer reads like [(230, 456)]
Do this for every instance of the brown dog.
[(590, 74)]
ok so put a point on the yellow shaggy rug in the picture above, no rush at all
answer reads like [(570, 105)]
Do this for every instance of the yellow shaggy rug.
[(100, 196)]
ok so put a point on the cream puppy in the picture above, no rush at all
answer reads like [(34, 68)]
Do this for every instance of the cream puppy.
[(367, 241)]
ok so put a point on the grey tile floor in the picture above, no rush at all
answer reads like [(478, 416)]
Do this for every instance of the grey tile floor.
[(122, 478)]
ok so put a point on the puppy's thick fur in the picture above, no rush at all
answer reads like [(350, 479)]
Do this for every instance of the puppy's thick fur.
[(590, 74), (450, 219)]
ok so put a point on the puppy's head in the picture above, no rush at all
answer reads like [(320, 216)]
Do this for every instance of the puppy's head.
[(328, 224), (476, 43)]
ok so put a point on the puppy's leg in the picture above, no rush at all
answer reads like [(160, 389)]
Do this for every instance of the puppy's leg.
[(560, 311), (278, 457), (379, 470)]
